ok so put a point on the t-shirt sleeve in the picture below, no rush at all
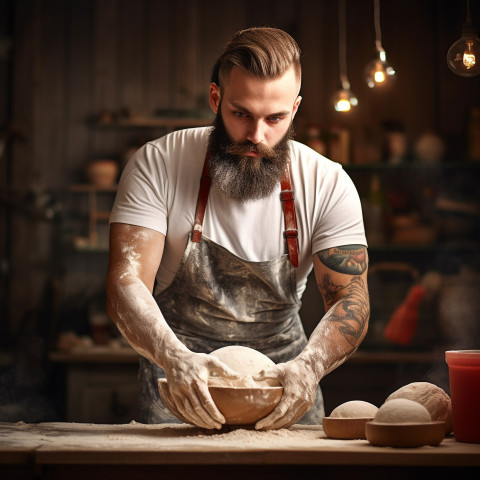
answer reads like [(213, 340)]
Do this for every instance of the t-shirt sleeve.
[(340, 220), (142, 191)]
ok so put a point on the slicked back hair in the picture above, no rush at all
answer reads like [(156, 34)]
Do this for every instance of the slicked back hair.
[(264, 52)]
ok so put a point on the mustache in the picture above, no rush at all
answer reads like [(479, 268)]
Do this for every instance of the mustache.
[(242, 149)]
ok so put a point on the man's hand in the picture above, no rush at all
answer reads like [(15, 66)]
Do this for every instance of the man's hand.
[(299, 392), (187, 376)]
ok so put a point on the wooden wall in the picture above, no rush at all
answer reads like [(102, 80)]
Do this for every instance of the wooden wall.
[(5, 114), (73, 59)]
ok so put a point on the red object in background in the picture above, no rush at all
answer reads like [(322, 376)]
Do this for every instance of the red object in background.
[(404, 320)]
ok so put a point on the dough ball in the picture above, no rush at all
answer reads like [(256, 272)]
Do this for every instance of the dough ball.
[(433, 398), (402, 410), (243, 360), (354, 409)]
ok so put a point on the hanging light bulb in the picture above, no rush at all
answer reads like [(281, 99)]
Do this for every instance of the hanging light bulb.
[(378, 71), (344, 99), (463, 57)]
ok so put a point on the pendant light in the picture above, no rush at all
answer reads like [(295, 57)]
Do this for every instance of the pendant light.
[(463, 57), (344, 99), (378, 72)]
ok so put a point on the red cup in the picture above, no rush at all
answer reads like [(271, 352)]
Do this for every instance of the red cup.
[(464, 374)]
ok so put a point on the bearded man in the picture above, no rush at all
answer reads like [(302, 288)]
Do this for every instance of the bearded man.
[(214, 232)]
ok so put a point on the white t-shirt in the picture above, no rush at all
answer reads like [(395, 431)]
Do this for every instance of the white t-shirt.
[(159, 188)]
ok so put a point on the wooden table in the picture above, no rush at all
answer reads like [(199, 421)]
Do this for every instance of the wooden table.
[(136, 451)]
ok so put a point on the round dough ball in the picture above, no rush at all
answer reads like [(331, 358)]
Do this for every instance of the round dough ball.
[(354, 409), (402, 410), (247, 362), (433, 398)]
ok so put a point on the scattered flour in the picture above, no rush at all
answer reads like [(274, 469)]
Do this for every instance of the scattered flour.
[(246, 437), (136, 436)]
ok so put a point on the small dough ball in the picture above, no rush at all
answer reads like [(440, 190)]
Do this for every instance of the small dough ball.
[(433, 398), (243, 360), (354, 409), (402, 410)]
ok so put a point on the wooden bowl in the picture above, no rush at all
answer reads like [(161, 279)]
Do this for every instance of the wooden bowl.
[(405, 434), (245, 406), (239, 406), (345, 428)]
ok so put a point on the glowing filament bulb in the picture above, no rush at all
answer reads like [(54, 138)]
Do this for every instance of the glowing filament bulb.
[(343, 106), (462, 55), (378, 72), (379, 76), (469, 56), (344, 99)]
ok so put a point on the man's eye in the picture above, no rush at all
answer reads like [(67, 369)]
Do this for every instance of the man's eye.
[(275, 119), (240, 114)]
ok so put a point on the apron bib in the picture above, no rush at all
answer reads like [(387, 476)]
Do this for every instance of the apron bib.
[(218, 299)]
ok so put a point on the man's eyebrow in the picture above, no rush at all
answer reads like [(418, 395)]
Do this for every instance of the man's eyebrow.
[(243, 109)]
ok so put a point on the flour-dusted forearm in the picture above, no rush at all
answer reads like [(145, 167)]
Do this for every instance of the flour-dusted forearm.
[(140, 321), (135, 254), (137, 316)]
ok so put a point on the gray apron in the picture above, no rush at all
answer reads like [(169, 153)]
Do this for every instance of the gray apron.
[(218, 299)]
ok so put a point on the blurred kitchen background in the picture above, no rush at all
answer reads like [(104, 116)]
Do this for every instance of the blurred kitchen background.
[(83, 83)]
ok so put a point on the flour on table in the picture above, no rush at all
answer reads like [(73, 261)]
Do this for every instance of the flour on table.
[(137, 436)]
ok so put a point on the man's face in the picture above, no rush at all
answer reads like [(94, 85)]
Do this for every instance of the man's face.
[(256, 109), (249, 143)]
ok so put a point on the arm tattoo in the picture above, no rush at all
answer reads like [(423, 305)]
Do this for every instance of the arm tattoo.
[(349, 259), (352, 310)]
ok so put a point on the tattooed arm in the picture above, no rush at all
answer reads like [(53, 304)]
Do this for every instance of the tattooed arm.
[(341, 275)]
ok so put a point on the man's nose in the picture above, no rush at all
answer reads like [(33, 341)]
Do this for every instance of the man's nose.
[(256, 133)]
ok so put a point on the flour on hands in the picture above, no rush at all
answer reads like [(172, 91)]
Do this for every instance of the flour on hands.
[(188, 376), (299, 392)]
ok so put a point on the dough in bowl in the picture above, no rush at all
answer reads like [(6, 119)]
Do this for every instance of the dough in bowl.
[(433, 398), (243, 360), (402, 410), (354, 409)]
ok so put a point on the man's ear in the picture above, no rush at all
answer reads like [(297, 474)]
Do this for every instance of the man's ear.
[(214, 97), (296, 105)]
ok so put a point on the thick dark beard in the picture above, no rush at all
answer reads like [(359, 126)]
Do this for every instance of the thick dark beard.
[(242, 177)]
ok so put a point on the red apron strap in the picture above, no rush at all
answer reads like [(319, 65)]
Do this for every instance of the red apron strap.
[(288, 201), (286, 195), (201, 201)]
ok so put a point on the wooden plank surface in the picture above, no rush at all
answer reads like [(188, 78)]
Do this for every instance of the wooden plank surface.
[(186, 44), (105, 93), (159, 56), (132, 48), (169, 444), (79, 62)]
